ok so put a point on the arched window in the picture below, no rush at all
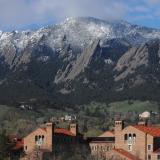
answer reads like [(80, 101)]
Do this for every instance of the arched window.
[(36, 138), (130, 136), (42, 137), (134, 137), (125, 137), (39, 137)]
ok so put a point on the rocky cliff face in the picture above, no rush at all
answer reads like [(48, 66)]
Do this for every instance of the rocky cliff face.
[(78, 61)]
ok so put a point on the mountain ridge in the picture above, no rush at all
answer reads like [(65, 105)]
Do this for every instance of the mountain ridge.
[(78, 61)]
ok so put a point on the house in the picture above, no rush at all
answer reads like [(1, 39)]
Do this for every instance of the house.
[(133, 142), (50, 138), (140, 141), (70, 118)]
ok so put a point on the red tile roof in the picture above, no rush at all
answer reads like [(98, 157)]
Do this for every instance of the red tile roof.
[(63, 131), (18, 145), (153, 131), (12, 136), (157, 151), (126, 154)]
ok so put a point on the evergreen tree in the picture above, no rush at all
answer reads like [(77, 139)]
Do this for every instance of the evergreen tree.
[(4, 146)]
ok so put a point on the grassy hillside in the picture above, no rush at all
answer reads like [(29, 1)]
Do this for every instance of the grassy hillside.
[(93, 119), (138, 106)]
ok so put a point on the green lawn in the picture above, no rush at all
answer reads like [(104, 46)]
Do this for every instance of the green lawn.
[(138, 106)]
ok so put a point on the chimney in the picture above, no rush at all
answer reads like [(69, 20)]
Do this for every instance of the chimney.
[(73, 128), (49, 135), (119, 126)]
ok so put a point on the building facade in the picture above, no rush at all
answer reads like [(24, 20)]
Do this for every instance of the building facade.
[(140, 140), (49, 138), (102, 144), (134, 142)]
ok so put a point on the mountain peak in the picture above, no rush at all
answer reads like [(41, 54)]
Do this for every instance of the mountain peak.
[(80, 32), (95, 20)]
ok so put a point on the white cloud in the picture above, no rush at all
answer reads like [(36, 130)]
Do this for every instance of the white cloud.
[(17, 13)]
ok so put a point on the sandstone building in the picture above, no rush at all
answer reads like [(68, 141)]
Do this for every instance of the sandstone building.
[(134, 142), (102, 144), (49, 137)]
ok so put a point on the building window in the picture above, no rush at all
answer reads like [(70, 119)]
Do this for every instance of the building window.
[(130, 136), (149, 157), (125, 137), (149, 147), (25, 147), (92, 148), (36, 138), (43, 138), (158, 157), (130, 147), (129, 141), (134, 138)]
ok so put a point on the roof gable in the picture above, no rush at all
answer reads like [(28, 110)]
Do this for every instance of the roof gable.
[(151, 130), (129, 128), (37, 131), (56, 131), (107, 134)]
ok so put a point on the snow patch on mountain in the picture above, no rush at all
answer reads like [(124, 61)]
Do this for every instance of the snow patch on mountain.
[(79, 33)]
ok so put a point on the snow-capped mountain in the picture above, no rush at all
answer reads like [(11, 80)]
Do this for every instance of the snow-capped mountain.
[(76, 32), (77, 56), (79, 32)]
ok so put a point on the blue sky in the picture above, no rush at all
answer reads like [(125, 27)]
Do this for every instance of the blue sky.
[(30, 14)]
